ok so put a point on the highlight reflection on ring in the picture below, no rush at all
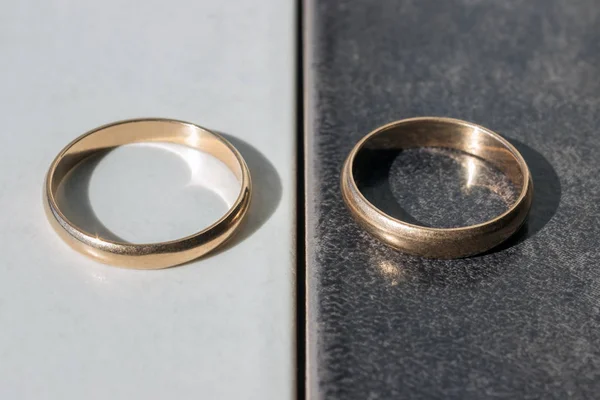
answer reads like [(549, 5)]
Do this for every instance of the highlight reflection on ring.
[(479, 173)]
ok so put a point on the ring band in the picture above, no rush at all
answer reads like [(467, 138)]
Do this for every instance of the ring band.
[(438, 242), (154, 255)]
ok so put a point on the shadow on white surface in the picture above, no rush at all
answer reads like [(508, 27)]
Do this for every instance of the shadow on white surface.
[(73, 198), (266, 190), (205, 171)]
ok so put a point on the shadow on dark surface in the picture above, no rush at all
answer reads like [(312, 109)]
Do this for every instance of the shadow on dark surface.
[(73, 198), (432, 186), (435, 188), (371, 172), (546, 196)]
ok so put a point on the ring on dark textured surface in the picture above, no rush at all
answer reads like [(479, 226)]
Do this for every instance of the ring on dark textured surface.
[(152, 255), (437, 242)]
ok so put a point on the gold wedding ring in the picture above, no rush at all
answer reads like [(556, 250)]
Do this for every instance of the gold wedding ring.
[(437, 242), (154, 255)]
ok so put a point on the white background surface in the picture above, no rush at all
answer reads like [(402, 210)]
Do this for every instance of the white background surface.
[(218, 328)]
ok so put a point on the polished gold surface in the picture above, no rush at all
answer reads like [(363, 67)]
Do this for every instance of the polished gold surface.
[(438, 242), (153, 255)]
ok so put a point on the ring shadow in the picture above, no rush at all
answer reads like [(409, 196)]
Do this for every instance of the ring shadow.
[(266, 192), (73, 198), (73, 195), (374, 184), (547, 193)]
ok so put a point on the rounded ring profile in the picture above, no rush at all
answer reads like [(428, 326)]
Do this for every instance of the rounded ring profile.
[(446, 243), (153, 255)]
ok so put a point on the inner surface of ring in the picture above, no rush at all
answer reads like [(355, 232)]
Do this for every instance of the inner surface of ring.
[(144, 131), (429, 165)]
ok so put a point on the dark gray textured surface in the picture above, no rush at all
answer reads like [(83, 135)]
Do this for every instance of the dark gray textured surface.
[(521, 322)]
